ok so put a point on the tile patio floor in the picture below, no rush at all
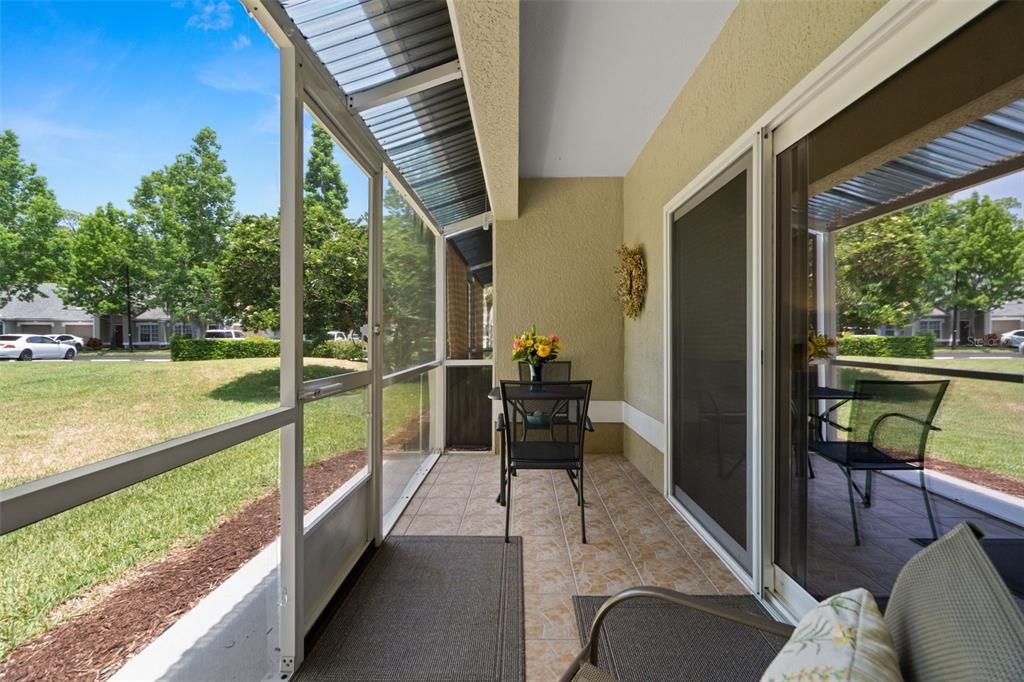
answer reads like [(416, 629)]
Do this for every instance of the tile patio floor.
[(897, 514), (634, 537)]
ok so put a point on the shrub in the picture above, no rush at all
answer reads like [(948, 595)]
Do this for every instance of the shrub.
[(921, 346), (208, 349), (338, 350), (92, 343)]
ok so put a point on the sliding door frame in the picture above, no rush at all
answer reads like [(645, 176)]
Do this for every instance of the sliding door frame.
[(749, 145), (894, 36)]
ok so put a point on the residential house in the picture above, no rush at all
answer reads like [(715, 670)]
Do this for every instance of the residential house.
[(972, 323), (46, 313)]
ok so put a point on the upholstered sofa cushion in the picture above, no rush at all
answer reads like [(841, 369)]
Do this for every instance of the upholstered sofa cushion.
[(843, 638)]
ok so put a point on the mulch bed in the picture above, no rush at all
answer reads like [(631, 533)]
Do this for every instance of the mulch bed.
[(95, 644), (987, 479)]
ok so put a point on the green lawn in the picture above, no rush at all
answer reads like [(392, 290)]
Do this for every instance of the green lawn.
[(60, 415), (982, 422)]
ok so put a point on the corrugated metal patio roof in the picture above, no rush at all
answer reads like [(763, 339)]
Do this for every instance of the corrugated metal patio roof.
[(429, 135), (991, 142)]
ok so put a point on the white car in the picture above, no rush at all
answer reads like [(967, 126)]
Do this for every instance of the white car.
[(224, 335), (32, 347), (1012, 339), (70, 339)]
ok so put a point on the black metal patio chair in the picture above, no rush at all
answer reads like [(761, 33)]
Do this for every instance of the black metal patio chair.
[(522, 400), (888, 432)]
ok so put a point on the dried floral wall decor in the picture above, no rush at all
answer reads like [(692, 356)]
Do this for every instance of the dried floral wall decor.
[(632, 280)]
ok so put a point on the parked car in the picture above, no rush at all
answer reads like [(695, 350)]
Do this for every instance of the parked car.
[(1012, 339), (224, 334), (77, 341), (32, 347)]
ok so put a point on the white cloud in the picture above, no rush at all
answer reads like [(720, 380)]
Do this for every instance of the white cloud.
[(231, 74), (211, 15), (241, 42)]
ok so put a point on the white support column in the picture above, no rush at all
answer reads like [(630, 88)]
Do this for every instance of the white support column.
[(290, 614), (827, 313), (376, 355), (438, 401)]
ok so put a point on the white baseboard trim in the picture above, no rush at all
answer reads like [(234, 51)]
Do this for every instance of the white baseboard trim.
[(645, 426)]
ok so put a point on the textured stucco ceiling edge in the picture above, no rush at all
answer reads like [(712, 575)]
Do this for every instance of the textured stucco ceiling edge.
[(487, 39)]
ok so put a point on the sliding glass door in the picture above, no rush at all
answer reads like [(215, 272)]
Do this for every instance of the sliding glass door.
[(709, 341)]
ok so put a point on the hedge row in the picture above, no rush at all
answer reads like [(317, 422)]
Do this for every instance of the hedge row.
[(922, 346), (339, 350), (209, 349), (260, 347)]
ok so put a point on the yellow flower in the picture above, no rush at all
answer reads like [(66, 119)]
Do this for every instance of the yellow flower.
[(558, 345), (528, 342), (543, 350)]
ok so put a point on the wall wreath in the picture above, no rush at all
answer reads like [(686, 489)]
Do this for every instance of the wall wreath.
[(632, 280)]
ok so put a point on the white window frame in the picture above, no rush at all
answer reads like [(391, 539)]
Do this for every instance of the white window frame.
[(150, 328)]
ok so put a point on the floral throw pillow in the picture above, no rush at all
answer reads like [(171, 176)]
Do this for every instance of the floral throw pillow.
[(843, 638)]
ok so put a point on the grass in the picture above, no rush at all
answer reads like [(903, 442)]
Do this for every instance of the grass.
[(124, 351), (61, 415), (982, 422)]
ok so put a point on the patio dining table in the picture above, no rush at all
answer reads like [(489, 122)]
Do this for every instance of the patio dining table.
[(538, 391)]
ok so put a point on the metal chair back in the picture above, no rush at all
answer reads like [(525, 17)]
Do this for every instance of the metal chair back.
[(898, 416), (528, 406)]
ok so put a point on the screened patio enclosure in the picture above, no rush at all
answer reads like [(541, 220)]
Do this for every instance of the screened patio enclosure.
[(383, 78)]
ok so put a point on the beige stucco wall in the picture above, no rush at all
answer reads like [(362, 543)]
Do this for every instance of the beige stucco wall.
[(764, 49), (554, 266), (487, 37)]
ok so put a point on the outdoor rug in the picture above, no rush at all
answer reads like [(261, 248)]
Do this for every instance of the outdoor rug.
[(1006, 554), (648, 639), (429, 608)]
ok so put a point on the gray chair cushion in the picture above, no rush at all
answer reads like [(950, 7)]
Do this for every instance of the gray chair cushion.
[(951, 616)]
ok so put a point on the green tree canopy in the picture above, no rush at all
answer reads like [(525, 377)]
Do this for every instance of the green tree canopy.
[(324, 185), (881, 266), (975, 248), (188, 206), (247, 273), (336, 257), (31, 243), (110, 265)]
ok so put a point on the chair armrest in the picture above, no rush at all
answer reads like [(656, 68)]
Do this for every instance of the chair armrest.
[(897, 415), (499, 423), (589, 652), (588, 425)]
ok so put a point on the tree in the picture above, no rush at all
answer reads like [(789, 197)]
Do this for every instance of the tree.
[(188, 207), (30, 243), (323, 182), (109, 267), (335, 257), (409, 285), (975, 248), (248, 273), (881, 267)]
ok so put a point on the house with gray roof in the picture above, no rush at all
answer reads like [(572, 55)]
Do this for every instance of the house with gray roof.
[(46, 313)]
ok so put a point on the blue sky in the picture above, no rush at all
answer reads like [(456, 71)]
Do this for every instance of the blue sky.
[(101, 93)]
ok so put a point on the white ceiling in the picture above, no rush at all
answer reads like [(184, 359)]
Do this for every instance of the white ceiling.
[(596, 77)]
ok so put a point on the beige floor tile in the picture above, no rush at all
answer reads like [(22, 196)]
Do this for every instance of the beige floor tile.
[(484, 506), (547, 659), (549, 616), (433, 506), (450, 490), (545, 548), (401, 525), (679, 574), (548, 524), (456, 478), (433, 525), (548, 577), (485, 524)]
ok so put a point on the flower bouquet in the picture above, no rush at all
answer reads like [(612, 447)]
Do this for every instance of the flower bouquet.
[(820, 347), (536, 349)]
